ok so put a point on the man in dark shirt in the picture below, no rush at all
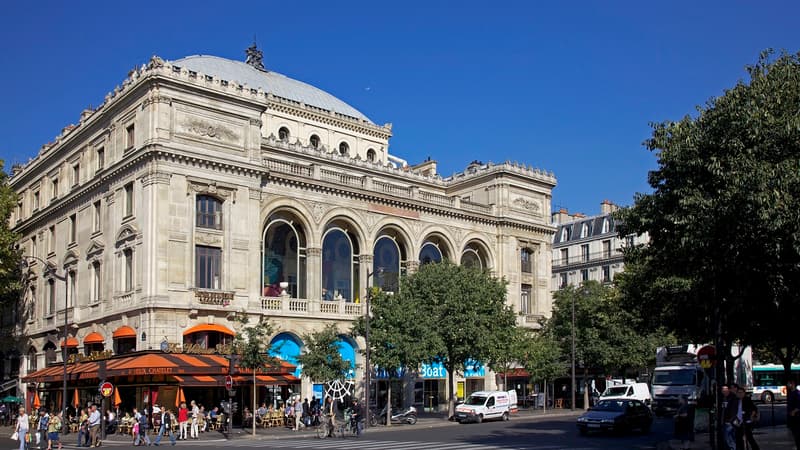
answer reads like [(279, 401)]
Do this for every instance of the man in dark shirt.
[(793, 411)]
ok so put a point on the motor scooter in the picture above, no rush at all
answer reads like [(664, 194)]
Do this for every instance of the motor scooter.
[(409, 416)]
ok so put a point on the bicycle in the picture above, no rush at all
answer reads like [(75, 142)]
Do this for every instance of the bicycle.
[(326, 427)]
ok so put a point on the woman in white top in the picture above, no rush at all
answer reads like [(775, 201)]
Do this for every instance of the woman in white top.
[(22, 428), (195, 418)]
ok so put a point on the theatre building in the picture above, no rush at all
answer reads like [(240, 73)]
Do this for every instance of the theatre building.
[(204, 189)]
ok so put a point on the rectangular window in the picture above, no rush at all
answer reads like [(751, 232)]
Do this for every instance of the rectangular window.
[(73, 228), (525, 261), (562, 280), (525, 300), (96, 224), (585, 252), (36, 200), (51, 296), (207, 266), (95, 282), (101, 158), (33, 304), (606, 274), (19, 211), (128, 199), (607, 249), (130, 136), (72, 289), (51, 239), (34, 246), (209, 212), (584, 274), (76, 174), (54, 190), (127, 278), (564, 256)]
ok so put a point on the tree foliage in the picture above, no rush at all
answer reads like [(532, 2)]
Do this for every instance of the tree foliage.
[(321, 359), (9, 254), (251, 344), (724, 217), (543, 357), (607, 337), (465, 311)]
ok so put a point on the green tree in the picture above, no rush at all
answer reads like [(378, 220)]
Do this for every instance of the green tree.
[(509, 350), (321, 359), (723, 261), (543, 359), (252, 348), (10, 275), (465, 310), (397, 339), (607, 337)]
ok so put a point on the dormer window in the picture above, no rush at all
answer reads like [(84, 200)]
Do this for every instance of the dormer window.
[(371, 155), (283, 134), (584, 231), (605, 226), (344, 148), (564, 234), (314, 141)]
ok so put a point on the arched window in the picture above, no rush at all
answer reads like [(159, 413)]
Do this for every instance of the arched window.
[(371, 155), (344, 149), (287, 347), (584, 231), (471, 258), (430, 253), (284, 258), (314, 141), (606, 226), (386, 264), (338, 264), (49, 353), (283, 134), (209, 212)]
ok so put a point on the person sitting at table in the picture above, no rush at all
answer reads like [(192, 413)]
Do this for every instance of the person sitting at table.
[(212, 416), (247, 418), (288, 413), (111, 422)]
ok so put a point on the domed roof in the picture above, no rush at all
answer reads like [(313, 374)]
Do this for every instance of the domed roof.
[(269, 81)]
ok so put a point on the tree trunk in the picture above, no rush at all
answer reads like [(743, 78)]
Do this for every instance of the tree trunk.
[(389, 403), (451, 403), (544, 404)]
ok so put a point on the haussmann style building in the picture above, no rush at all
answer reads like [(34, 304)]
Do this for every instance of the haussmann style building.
[(204, 189)]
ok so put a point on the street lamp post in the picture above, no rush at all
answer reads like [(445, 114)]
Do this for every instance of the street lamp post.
[(367, 369), (50, 271), (572, 387)]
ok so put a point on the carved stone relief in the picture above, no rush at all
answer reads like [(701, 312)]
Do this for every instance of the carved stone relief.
[(527, 204), (209, 129), (208, 238)]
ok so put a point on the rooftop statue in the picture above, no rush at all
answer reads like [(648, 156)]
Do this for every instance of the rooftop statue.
[(255, 57)]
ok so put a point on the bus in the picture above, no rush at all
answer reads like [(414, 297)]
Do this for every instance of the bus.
[(769, 382)]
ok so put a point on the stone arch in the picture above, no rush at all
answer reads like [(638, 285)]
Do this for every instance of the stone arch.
[(287, 346), (292, 206), (344, 216), (391, 252), (441, 237), (342, 245), (284, 252), (126, 232), (478, 247)]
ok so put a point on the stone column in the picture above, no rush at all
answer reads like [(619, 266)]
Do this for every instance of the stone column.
[(365, 267), (313, 273)]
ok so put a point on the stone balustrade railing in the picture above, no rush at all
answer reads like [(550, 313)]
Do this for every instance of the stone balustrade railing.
[(331, 309)]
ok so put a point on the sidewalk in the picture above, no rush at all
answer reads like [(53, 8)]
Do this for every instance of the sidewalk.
[(768, 438)]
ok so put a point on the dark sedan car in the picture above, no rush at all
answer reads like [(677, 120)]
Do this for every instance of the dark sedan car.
[(617, 415)]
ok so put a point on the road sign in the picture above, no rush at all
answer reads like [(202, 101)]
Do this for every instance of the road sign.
[(228, 382), (707, 356), (106, 389)]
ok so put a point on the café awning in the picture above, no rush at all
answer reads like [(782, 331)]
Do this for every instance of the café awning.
[(71, 342), (155, 363), (209, 327), (124, 332), (93, 338)]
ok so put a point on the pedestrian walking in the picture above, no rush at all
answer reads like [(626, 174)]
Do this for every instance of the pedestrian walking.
[(733, 417), (94, 426), (141, 435), (683, 423), (750, 417), (21, 428), (183, 421), (298, 414), (793, 411), (167, 419), (195, 420), (54, 431), (44, 421), (83, 428)]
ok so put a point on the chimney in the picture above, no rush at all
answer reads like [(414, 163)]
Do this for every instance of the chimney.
[(561, 216), (606, 207)]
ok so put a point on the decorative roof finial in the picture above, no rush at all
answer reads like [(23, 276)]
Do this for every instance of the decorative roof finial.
[(254, 56)]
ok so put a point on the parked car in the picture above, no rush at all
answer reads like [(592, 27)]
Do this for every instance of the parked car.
[(633, 391), (617, 415)]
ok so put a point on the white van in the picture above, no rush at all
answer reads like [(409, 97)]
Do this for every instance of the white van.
[(638, 391), (483, 405)]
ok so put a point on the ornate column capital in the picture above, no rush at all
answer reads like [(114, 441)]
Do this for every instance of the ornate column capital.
[(314, 251)]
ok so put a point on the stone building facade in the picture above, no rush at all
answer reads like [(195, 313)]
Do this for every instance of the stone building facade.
[(206, 188)]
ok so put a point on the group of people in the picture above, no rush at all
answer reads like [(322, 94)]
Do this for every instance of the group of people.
[(46, 428), (191, 420), (296, 414)]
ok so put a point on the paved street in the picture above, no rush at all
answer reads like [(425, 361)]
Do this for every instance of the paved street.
[(530, 431)]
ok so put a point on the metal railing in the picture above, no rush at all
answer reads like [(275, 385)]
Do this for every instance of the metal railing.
[(587, 258)]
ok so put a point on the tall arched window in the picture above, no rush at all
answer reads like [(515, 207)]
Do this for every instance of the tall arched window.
[(284, 258), (339, 264), (430, 253), (386, 264), (471, 258), (209, 212)]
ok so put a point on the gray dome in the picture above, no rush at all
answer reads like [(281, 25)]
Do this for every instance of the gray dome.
[(269, 81)]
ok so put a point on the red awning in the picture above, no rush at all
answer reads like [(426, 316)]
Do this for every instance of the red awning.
[(124, 332), (93, 338), (208, 327), (71, 342)]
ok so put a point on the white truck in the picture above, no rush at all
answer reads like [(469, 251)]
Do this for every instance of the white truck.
[(482, 405), (677, 374)]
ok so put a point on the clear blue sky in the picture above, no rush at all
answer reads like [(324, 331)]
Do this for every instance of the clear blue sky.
[(566, 86)]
